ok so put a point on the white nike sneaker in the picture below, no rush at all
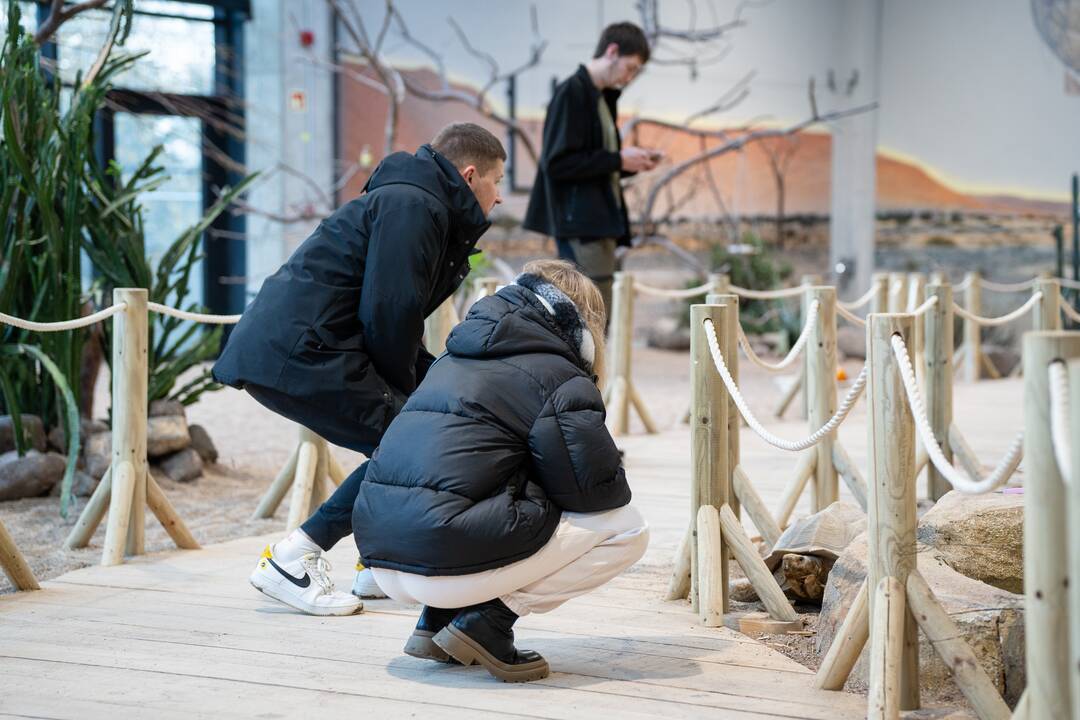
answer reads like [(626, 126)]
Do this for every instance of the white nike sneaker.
[(303, 584), (364, 585)]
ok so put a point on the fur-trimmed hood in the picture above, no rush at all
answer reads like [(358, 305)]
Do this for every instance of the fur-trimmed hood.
[(530, 315)]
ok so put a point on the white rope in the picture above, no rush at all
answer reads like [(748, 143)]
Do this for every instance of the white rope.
[(673, 294), (1059, 418), (849, 316), (767, 294), (962, 285), (1065, 282), (65, 324), (793, 354), (196, 317), (957, 478), (856, 304), (1006, 287), (791, 445), (1070, 312), (925, 307), (1018, 312)]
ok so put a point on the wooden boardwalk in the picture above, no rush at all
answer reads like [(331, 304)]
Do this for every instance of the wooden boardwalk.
[(183, 635)]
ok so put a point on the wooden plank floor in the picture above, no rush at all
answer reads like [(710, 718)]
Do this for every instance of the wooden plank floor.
[(182, 634)]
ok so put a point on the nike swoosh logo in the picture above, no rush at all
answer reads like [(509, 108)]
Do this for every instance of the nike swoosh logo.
[(298, 582)]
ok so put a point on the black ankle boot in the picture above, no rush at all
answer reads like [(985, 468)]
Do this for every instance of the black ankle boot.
[(431, 621), (484, 634)]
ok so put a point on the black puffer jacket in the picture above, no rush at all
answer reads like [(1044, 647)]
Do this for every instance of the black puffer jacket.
[(338, 327), (506, 431)]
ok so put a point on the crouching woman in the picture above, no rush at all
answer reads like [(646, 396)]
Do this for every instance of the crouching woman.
[(498, 490)]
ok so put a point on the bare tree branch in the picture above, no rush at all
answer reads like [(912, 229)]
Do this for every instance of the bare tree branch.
[(58, 15), (734, 95)]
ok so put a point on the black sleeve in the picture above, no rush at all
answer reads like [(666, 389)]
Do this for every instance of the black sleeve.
[(403, 251), (564, 154), (574, 458)]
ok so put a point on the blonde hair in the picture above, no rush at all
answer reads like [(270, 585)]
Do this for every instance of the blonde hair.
[(585, 296)]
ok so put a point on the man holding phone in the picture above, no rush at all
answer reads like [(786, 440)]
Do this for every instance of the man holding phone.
[(577, 198)]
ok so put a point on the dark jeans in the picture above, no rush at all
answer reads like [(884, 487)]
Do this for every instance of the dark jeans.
[(333, 520), (596, 258)]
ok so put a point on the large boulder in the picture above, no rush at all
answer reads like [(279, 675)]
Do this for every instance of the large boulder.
[(97, 454), (32, 475), (981, 536), (200, 440), (163, 408), (166, 434), (33, 430), (990, 620), (851, 342), (183, 466), (87, 427)]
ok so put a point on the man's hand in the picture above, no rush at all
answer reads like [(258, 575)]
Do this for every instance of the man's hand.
[(635, 159)]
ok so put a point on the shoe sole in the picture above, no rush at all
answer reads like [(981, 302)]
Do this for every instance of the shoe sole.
[(420, 645), (272, 592), (467, 651)]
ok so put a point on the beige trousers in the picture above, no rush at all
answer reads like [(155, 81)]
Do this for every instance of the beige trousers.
[(586, 551)]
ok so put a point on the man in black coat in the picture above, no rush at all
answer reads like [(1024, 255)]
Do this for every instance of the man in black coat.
[(577, 198), (333, 339)]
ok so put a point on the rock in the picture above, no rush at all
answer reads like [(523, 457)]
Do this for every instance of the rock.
[(990, 620), (743, 591), (183, 466), (200, 440), (1005, 359), (87, 427), (981, 536), (33, 430), (661, 338), (97, 454), (851, 342), (166, 434), (83, 485), (165, 408), (32, 475)]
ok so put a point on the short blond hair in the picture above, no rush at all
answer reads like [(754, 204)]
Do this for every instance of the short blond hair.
[(586, 297)]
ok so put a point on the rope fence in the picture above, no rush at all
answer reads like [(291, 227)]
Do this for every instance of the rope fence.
[(793, 354), (1003, 319)]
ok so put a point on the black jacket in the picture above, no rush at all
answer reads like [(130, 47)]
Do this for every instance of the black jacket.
[(572, 196), (505, 432), (338, 327)]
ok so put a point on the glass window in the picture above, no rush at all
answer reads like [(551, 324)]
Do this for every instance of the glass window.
[(177, 204), (27, 17), (180, 55)]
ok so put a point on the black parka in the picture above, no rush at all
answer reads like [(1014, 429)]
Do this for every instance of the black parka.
[(572, 196), (506, 431), (338, 327)]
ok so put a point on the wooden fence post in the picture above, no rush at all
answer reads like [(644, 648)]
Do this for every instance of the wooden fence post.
[(1073, 521), (729, 344), (810, 280), (1046, 579), (127, 509), (14, 564), (891, 486), (880, 301), (821, 391), (972, 331), (916, 295), (622, 323), (1047, 315), (438, 325), (938, 377), (720, 284), (897, 292), (708, 439)]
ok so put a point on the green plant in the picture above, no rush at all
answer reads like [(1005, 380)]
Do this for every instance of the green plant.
[(756, 270), (56, 201)]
